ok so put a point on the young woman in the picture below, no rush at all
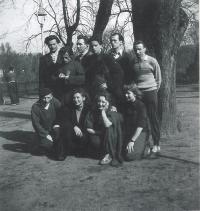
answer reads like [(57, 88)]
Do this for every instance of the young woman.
[(71, 120), (135, 124), (104, 130)]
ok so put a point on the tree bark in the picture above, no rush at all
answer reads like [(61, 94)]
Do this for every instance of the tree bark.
[(102, 18), (161, 25)]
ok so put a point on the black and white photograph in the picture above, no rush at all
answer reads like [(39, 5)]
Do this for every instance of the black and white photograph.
[(99, 105)]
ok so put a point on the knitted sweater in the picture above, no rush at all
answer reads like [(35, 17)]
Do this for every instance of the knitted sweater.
[(147, 74)]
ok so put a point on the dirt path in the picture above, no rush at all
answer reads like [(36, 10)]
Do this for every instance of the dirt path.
[(37, 183)]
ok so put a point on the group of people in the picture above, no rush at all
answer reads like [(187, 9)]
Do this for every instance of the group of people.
[(101, 104)]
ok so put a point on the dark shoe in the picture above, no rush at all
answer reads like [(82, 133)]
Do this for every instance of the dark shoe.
[(153, 155), (115, 163), (61, 157)]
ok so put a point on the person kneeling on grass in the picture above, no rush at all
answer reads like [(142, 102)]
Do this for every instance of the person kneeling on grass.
[(135, 124), (104, 130), (43, 116)]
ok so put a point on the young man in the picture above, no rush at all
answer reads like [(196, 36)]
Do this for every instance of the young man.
[(120, 55), (43, 115), (147, 76), (49, 65), (105, 71)]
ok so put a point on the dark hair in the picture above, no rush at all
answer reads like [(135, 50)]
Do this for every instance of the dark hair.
[(51, 37), (11, 67), (121, 38), (103, 94), (82, 92), (99, 40), (133, 88), (137, 42), (83, 37), (65, 50)]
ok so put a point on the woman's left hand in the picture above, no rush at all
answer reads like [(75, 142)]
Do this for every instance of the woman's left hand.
[(130, 147)]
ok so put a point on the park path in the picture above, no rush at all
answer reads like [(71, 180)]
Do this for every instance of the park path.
[(38, 183)]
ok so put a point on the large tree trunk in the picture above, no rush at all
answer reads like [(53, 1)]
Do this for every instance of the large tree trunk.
[(102, 17), (161, 25)]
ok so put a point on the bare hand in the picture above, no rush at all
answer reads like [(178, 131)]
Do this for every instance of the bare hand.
[(130, 147), (113, 108), (49, 138), (61, 75), (78, 131)]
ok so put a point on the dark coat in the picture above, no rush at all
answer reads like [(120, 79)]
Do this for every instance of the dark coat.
[(48, 71)]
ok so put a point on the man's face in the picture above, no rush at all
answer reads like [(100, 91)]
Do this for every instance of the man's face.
[(66, 58), (53, 45), (140, 50), (115, 42), (47, 98), (96, 47), (81, 46)]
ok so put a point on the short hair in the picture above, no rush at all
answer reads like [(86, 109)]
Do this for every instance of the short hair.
[(133, 88), (121, 38), (137, 42), (99, 40), (83, 37), (11, 67), (105, 94), (51, 37), (81, 91), (44, 91), (65, 50)]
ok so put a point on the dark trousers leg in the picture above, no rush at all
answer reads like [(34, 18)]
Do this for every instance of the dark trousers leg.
[(151, 102), (1, 95)]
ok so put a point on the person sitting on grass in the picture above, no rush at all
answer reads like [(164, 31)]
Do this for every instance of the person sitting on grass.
[(43, 116), (104, 130), (135, 123), (71, 118)]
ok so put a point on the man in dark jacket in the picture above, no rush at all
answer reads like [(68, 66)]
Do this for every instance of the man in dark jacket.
[(43, 115), (120, 55), (49, 65)]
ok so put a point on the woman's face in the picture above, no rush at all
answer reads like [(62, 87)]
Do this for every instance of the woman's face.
[(102, 103), (130, 96), (66, 58), (78, 99)]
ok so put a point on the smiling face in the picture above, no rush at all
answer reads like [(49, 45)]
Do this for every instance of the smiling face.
[(53, 45), (130, 96), (96, 47), (102, 103), (140, 50), (78, 100)]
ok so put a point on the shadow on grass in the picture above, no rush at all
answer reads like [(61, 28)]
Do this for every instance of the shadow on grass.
[(27, 142), (14, 115)]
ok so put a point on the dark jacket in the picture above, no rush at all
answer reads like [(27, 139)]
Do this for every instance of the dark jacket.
[(48, 71), (42, 119)]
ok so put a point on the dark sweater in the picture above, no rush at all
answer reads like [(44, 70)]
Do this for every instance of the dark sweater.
[(42, 119), (134, 116)]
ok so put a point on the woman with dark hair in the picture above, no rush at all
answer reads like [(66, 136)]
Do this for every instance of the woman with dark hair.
[(135, 123), (70, 123), (104, 130)]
